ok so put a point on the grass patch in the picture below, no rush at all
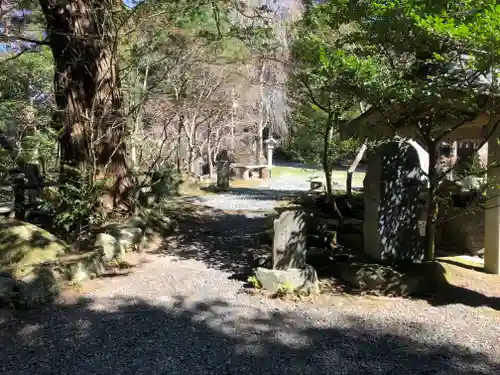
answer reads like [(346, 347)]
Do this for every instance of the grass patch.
[(195, 188), (461, 262), (341, 177), (338, 176), (279, 171), (207, 187), (253, 183)]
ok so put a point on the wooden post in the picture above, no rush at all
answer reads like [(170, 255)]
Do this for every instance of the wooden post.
[(492, 212)]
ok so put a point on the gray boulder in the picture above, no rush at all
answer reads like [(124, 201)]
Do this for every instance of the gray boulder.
[(299, 280), (129, 236), (108, 246), (78, 272), (94, 265)]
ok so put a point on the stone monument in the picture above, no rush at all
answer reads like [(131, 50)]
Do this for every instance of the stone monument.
[(289, 244), (289, 257), (223, 170), (395, 179)]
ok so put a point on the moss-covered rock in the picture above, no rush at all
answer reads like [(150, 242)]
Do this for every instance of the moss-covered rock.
[(39, 287), (23, 246), (81, 267), (35, 265)]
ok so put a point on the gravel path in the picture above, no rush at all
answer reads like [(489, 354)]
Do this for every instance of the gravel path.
[(184, 314), (261, 198)]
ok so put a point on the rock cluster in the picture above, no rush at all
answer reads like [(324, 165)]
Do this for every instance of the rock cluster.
[(34, 263)]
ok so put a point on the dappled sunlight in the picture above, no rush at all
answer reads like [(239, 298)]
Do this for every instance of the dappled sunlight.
[(208, 337)]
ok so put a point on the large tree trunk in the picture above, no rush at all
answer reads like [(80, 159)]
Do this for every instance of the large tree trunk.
[(180, 130), (353, 167), (259, 146), (87, 91), (432, 206), (327, 166)]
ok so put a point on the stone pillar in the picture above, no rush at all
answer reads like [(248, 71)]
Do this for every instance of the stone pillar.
[(492, 212), (269, 157)]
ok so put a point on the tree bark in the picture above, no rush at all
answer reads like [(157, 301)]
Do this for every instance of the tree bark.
[(327, 168), (353, 167), (87, 92), (180, 129), (259, 147), (432, 208), (327, 165), (139, 104)]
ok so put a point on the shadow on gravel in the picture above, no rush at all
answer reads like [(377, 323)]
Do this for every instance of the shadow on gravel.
[(226, 241), (260, 193), (137, 338), (453, 295)]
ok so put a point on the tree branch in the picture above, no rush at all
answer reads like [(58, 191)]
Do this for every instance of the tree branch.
[(312, 97), (11, 38)]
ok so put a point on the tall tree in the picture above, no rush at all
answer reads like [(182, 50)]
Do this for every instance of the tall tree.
[(82, 37), (319, 105), (426, 66)]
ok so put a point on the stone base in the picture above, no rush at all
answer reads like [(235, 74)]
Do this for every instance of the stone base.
[(300, 280), (382, 279)]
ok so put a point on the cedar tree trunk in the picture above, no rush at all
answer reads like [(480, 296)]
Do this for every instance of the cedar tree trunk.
[(87, 92)]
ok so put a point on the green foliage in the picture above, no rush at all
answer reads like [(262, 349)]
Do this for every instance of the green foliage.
[(29, 74), (26, 105), (252, 280), (284, 290), (419, 54), (428, 66), (6, 161), (165, 180), (306, 141), (73, 208), (320, 104)]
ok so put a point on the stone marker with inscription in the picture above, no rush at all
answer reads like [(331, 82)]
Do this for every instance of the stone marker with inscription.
[(393, 184), (289, 244), (289, 257), (223, 170)]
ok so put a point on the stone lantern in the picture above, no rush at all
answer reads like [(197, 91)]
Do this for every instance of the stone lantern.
[(270, 144)]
